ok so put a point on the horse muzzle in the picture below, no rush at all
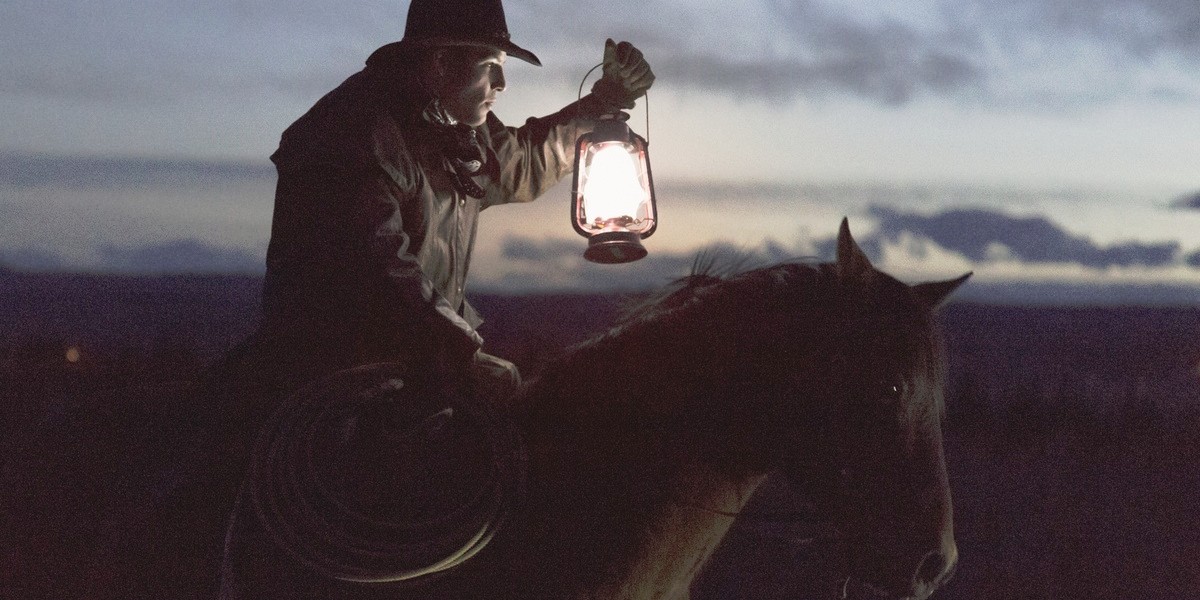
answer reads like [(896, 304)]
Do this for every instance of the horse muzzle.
[(932, 571)]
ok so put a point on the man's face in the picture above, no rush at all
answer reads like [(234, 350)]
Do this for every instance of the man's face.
[(473, 79)]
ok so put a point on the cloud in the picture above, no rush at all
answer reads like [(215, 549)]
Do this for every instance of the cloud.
[(87, 172), (1188, 202), (1193, 259), (178, 256), (1137, 29), (983, 236), (558, 264), (143, 51), (524, 248), (999, 247), (887, 79), (1062, 54), (137, 51), (1028, 54), (779, 50), (886, 60), (31, 259)]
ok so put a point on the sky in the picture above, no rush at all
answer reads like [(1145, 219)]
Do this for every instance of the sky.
[(1049, 146)]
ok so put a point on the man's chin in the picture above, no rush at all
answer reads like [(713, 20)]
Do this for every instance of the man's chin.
[(478, 120), (473, 119)]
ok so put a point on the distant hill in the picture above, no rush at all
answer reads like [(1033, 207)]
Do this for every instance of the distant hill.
[(207, 313)]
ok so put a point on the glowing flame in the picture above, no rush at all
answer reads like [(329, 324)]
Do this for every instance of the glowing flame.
[(73, 354), (613, 191)]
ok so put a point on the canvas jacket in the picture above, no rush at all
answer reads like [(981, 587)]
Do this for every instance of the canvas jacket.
[(371, 240)]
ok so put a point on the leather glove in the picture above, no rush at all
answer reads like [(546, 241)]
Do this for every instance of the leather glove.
[(626, 77)]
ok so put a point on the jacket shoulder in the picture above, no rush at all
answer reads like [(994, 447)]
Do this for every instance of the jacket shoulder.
[(335, 129)]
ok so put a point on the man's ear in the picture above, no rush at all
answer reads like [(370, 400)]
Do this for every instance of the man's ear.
[(437, 64), (432, 69)]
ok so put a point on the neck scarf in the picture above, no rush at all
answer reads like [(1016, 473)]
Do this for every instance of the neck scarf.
[(460, 144)]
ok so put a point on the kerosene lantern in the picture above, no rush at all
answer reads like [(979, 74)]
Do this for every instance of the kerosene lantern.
[(613, 194)]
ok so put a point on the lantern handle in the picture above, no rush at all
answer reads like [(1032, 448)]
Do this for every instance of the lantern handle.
[(646, 97)]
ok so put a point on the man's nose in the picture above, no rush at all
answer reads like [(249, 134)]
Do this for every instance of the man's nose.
[(498, 82)]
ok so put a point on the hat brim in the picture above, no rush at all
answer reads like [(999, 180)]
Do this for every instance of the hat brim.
[(433, 42)]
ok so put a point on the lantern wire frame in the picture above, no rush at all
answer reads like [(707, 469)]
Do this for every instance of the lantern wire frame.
[(614, 254)]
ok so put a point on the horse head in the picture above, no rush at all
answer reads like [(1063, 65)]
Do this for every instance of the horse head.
[(873, 461), (832, 374)]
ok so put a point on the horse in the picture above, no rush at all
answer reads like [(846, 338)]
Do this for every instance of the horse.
[(616, 473)]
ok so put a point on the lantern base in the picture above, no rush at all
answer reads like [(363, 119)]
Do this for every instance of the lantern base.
[(614, 247)]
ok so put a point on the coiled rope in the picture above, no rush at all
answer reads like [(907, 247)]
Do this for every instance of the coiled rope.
[(442, 472)]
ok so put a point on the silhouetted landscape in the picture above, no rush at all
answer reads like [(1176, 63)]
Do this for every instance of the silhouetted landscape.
[(1073, 440)]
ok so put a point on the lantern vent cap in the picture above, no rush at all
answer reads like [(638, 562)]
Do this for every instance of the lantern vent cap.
[(614, 247), (611, 128)]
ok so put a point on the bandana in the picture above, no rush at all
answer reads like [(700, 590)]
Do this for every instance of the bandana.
[(460, 144)]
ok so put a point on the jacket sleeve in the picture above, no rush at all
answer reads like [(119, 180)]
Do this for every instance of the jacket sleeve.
[(409, 301), (525, 162)]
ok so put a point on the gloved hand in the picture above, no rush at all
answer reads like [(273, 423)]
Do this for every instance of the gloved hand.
[(626, 77)]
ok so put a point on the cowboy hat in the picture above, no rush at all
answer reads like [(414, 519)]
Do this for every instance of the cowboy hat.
[(433, 23)]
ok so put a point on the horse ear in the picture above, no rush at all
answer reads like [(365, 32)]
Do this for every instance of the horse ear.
[(852, 263), (933, 294)]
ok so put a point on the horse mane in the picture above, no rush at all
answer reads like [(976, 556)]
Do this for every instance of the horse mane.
[(710, 268), (706, 298)]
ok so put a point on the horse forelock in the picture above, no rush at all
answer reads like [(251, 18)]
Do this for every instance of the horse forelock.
[(880, 320)]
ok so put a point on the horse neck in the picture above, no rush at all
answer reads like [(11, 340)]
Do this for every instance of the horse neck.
[(694, 362), (623, 516), (682, 534), (650, 366)]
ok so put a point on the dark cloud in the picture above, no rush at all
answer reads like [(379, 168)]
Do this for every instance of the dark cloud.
[(138, 52), (1193, 259), (975, 232), (559, 263), (25, 170), (179, 256), (889, 62), (888, 79), (523, 248), (976, 50), (1140, 29), (1188, 202), (144, 52), (31, 259), (815, 48), (1056, 54)]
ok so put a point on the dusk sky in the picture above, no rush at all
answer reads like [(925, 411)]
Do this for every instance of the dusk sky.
[(1027, 140)]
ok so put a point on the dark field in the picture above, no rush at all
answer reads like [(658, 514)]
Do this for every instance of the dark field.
[(1073, 439)]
